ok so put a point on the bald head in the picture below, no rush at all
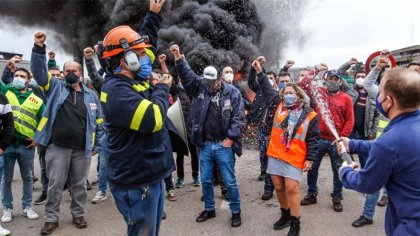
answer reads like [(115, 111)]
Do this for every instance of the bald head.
[(72, 66), (403, 85)]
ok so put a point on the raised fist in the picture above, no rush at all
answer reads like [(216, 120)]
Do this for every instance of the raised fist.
[(88, 52), (256, 64), (321, 67), (353, 61), (175, 51), (382, 62), (156, 5), (261, 59), (385, 53), (11, 64), (166, 79), (39, 38), (289, 63), (162, 58), (51, 55)]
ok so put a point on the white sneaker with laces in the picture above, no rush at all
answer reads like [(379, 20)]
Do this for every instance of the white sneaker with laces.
[(31, 214), (7, 215), (99, 197), (4, 232)]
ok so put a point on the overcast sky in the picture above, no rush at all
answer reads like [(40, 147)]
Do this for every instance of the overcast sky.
[(337, 30)]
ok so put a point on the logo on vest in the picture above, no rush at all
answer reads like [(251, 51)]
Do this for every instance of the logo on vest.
[(34, 100)]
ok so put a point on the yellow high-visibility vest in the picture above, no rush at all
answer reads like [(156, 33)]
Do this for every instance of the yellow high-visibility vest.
[(25, 114)]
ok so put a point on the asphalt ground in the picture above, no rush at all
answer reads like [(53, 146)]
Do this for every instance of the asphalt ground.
[(257, 216)]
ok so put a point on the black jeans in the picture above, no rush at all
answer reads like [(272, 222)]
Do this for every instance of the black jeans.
[(194, 161)]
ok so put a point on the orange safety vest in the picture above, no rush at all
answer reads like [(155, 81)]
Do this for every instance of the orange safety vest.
[(296, 155)]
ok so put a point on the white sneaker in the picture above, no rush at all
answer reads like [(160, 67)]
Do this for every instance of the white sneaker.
[(31, 214), (4, 232), (7, 215), (99, 197)]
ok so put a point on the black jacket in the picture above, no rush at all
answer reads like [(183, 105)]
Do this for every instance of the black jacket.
[(7, 127)]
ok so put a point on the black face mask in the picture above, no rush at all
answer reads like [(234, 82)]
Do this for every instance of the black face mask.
[(71, 78)]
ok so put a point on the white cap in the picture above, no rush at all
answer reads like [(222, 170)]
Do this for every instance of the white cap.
[(210, 73)]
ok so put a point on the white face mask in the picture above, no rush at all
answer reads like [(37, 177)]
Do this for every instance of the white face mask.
[(228, 78), (359, 82)]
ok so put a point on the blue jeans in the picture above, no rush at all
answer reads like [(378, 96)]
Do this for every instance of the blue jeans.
[(103, 161), (371, 199), (142, 208), (214, 152), (25, 159), (169, 183), (326, 147)]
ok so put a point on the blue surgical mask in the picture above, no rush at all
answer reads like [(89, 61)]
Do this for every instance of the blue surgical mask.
[(282, 85), (33, 83), (19, 83), (145, 67), (289, 100), (378, 105)]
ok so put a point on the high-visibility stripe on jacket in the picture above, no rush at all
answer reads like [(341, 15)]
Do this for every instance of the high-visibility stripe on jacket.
[(25, 114), (296, 154), (383, 122)]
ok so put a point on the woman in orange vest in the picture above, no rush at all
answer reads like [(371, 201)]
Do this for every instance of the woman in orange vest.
[(292, 147)]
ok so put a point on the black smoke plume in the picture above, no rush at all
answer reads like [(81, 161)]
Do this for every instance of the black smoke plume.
[(210, 32)]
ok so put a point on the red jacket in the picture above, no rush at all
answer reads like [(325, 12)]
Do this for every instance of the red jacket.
[(340, 107)]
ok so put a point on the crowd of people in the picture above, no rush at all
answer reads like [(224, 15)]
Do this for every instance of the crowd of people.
[(120, 114)]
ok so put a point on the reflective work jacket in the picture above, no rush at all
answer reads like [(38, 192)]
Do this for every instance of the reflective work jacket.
[(383, 123), (296, 154), (25, 114)]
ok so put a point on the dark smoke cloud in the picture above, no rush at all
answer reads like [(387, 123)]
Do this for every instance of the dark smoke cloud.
[(210, 32)]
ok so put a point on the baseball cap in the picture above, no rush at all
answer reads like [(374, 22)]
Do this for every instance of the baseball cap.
[(210, 73), (333, 73)]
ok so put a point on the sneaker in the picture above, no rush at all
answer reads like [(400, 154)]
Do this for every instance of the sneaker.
[(267, 195), (362, 221), (236, 220), (164, 216), (261, 177), (4, 232), (308, 200), (99, 197), (337, 204), (49, 227), (383, 202), (196, 182), (179, 183), (284, 220), (7, 215), (29, 213), (172, 195), (42, 199)]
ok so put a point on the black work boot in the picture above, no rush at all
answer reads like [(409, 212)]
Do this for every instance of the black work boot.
[(338, 207), (308, 200), (261, 177), (205, 215), (294, 226), (236, 220), (284, 220)]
